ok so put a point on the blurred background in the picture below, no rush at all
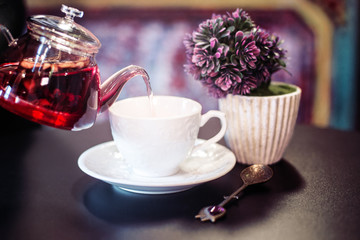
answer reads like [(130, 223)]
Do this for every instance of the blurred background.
[(320, 35)]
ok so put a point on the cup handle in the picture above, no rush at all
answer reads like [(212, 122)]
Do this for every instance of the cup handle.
[(204, 119)]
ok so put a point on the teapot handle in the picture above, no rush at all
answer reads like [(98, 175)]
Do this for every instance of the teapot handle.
[(9, 38), (111, 88)]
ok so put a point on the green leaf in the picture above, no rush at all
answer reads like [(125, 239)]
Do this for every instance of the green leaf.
[(282, 63), (231, 29), (233, 59)]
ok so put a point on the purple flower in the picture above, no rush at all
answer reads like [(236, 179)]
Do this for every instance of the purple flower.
[(246, 50), (227, 77), (205, 61), (276, 55), (249, 83), (239, 19), (189, 44), (208, 59), (209, 29), (263, 42), (271, 54)]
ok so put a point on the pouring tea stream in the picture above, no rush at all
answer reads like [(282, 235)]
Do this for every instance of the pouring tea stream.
[(50, 76)]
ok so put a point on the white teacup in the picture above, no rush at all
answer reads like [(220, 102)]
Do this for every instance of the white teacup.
[(155, 140)]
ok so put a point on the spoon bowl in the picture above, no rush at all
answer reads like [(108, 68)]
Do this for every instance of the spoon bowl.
[(257, 173)]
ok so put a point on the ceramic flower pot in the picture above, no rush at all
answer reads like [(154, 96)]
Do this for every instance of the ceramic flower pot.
[(260, 128)]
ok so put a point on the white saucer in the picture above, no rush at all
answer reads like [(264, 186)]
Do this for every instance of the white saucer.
[(104, 162)]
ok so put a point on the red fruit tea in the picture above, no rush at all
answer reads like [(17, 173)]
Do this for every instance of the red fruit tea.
[(62, 95)]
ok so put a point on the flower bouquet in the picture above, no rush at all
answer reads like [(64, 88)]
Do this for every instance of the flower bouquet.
[(230, 54)]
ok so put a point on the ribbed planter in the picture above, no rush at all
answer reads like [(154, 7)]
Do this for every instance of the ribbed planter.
[(260, 128)]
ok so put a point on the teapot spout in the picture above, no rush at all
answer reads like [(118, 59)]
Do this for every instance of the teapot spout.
[(9, 38), (111, 88)]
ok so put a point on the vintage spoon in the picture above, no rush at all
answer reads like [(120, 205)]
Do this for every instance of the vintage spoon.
[(257, 173)]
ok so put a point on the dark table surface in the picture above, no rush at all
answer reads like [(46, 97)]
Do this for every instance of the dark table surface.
[(314, 193)]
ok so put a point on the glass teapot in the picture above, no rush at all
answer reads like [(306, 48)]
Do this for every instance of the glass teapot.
[(49, 75)]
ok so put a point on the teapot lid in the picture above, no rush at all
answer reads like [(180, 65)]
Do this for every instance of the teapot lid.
[(64, 33)]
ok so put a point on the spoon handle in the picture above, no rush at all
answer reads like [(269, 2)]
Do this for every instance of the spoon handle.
[(234, 195)]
